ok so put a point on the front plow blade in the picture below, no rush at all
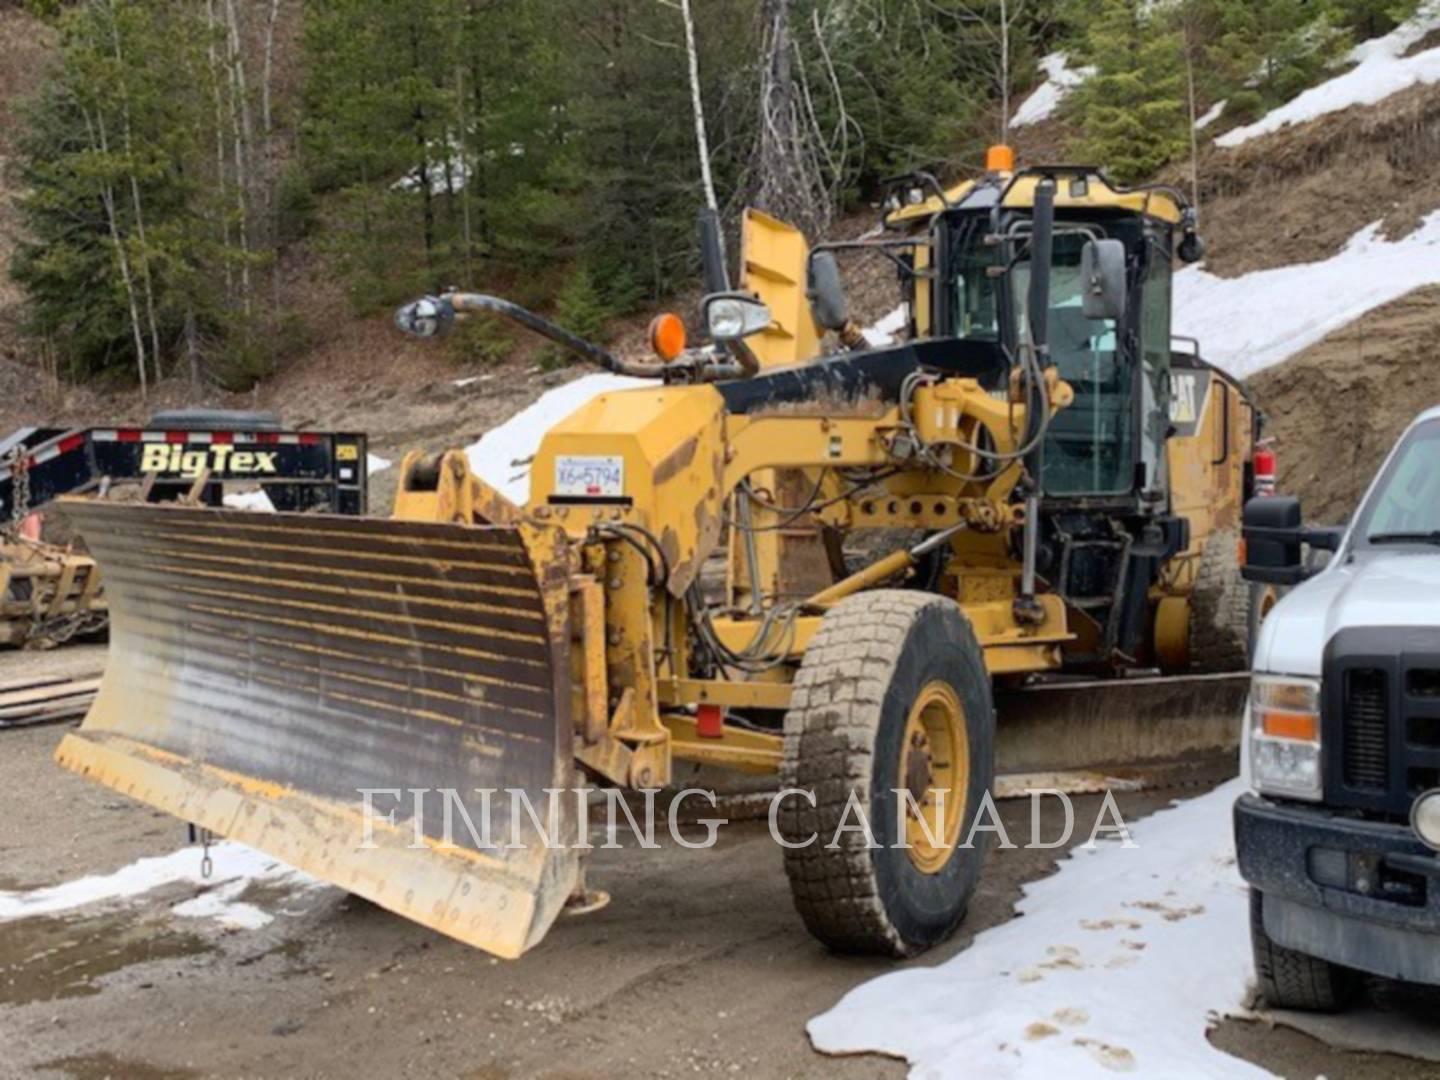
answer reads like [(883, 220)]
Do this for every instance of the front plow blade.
[(266, 670)]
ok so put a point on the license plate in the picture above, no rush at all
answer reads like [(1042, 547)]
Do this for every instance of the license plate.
[(592, 477)]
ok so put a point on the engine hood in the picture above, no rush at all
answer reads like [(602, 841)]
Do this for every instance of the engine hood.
[(1370, 588)]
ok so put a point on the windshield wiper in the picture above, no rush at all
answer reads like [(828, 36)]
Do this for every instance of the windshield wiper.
[(1431, 537)]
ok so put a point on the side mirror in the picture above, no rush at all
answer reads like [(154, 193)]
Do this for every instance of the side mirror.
[(430, 316), (826, 293), (734, 316), (1273, 539), (1102, 269)]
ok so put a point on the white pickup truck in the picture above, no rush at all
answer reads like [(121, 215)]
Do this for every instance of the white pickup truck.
[(1338, 838)]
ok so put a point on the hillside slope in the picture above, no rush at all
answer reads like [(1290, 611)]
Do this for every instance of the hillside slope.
[(1336, 409), (1298, 195)]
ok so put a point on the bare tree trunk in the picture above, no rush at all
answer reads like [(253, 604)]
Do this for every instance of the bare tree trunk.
[(135, 200), (1189, 39), (777, 112), (221, 180), (271, 180), (702, 141), (1004, 73), (241, 134), (269, 68), (1194, 134), (422, 154), (790, 181), (192, 352), (99, 140), (462, 147)]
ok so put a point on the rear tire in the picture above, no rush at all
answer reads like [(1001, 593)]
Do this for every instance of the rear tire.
[(1220, 608), (893, 693), (1295, 980)]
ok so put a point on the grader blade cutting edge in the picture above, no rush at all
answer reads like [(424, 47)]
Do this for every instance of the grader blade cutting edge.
[(1103, 724), (266, 671)]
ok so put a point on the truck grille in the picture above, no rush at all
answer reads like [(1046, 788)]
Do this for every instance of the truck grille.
[(1366, 729), (1380, 718)]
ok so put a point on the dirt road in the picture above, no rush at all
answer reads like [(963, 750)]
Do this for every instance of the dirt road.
[(698, 967)]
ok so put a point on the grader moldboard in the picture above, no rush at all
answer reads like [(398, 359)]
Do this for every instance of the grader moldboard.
[(1063, 486)]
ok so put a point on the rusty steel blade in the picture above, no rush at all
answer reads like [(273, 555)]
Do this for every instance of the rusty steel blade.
[(265, 670)]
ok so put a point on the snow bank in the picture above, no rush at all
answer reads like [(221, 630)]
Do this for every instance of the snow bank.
[(1060, 79), (1120, 961), (1248, 323), (236, 867), (1382, 69), (495, 455)]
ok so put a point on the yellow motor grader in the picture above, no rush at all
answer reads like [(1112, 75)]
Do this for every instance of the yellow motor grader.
[(1047, 490)]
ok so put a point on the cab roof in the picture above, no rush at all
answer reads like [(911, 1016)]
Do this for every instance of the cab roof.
[(1079, 187)]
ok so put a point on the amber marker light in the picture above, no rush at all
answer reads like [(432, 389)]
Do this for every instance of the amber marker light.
[(667, 336)]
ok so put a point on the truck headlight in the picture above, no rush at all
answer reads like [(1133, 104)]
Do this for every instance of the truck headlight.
[(1425, 818), (1285, 736)]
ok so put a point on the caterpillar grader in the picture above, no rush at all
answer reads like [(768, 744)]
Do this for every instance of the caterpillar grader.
[(875, 573)]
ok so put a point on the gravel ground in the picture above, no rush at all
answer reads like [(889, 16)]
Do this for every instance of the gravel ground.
[(699, 966)]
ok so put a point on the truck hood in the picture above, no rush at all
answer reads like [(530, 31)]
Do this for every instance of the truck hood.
[(1370, 588)]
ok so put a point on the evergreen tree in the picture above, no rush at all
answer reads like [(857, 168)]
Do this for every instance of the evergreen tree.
[(1272, 51), (106, 251), (1131, 113)]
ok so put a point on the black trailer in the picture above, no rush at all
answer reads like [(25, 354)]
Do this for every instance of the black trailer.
[(296, 470)]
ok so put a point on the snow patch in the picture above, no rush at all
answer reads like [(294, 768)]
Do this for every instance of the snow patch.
[(886, 329), (1060, 79), (1211, 115), (236, 867), (375, 463), (1252, 322), (1122, 960), (451, 172), (1382, 69), (249, 500), (223, 905), (501, 457)]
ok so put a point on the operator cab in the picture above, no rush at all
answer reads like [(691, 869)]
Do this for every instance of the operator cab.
[(1108, 445), (1107, 522)]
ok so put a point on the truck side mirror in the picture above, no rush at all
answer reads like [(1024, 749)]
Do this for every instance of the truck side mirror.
[(1102, 269), (826, 293), (1274, 537)]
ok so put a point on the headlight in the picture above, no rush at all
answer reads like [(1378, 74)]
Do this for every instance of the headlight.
[(1285, 736), (732, 317), (1425, 818)]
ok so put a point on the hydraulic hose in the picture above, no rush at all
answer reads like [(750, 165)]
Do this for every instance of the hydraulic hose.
[(585, 350)]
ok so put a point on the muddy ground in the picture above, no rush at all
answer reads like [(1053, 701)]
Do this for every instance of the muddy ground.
[(699, 966)]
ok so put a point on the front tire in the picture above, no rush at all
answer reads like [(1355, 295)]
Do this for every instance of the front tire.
[(893, 693), (1295, 980)]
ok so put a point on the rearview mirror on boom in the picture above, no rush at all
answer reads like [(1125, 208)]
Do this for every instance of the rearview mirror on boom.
[(1102, 269)]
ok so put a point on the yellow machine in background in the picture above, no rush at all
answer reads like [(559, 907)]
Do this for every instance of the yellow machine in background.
[(1045, 489)]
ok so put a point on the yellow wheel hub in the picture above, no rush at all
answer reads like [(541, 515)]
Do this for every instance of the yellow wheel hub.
[(935, 770)]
